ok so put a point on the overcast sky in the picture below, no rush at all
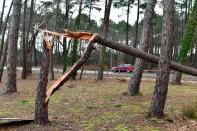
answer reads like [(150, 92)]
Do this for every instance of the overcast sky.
[(116, 14)]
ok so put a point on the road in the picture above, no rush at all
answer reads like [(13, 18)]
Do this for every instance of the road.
[(146, 74)]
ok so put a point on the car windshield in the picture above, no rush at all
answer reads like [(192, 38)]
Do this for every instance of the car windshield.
[(122, 65)]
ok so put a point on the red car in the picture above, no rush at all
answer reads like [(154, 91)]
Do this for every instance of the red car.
[(123, 68)]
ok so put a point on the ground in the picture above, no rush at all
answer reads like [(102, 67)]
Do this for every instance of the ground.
[(89, 105)]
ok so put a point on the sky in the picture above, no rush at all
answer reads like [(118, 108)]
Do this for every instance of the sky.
[(115, 15)]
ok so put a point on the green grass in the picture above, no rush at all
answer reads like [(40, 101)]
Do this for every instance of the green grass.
[(95, 105)]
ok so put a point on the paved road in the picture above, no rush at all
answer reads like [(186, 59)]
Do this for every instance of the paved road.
[(146, 74)]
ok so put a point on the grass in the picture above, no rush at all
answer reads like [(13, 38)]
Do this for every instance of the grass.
[(190, 110), (91, 105)]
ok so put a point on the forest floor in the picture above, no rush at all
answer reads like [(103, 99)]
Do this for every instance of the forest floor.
[(89, 105)]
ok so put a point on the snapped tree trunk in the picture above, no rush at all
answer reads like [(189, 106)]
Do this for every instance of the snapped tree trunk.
[(135, 80), (41, 107), (12, 48), (117, 46), (161, 87)]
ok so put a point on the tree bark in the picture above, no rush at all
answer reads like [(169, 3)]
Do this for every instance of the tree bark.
[(41, 108), (75, 43), (135, 80), (2, 14), (176, 78), (5, 28), (3, 58), (105, 32), (24, 69), (12, 48), (150, 50), (161, 87), (65, 54), (51, 65), (127, 30), (5, 47), (28, 45), (136, 29), (195, 55), (35, 56)]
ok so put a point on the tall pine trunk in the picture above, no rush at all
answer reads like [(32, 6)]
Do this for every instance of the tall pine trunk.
[(162, 80), (2, 14), (24, 69), (3, 58), (75, 43), (28, 44), (134, 84), (5, 47), (150, 50), (105, 32), (12, 48), (127, 30), (136, 29), (65, 54)]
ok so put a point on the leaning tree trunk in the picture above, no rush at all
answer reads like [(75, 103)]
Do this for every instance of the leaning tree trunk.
[(41, 107), (161, 87), (12, 48), (134, 84)]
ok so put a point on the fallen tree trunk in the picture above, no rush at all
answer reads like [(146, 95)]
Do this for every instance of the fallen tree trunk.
[(143, 55), (119, 47)]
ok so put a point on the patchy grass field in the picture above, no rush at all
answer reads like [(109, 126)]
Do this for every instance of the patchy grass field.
[(90, 105)]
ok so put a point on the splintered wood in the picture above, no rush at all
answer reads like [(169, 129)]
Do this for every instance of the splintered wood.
[(66, 76), (71, 34), (47, 43), (78, 35)]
